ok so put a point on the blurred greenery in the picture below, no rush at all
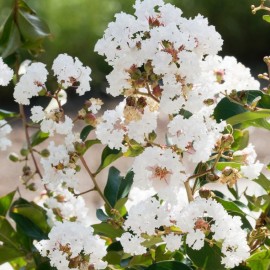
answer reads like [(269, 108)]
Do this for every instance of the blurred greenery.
[(76, 25)]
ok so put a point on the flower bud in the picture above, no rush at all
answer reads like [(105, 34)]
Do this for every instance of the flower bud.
[(157, 91), (80, 147), (45, 153), (205, 193), (24, 152), (14, 157), (227, 171), (227, 140)]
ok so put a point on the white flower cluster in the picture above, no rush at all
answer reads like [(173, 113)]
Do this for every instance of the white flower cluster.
[(6, 73), (72, 245), (200, 220), (202, 216), (5, 129), (70, 73), (62, 204)]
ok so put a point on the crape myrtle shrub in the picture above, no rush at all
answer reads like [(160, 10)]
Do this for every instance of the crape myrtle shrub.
[(165, 67)]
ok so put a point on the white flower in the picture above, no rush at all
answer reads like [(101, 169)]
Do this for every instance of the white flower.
[(30, 83), (5, 129), (69, 72), (6, 73), (132, 244), (173, 242), (159, 169), (67, 240)]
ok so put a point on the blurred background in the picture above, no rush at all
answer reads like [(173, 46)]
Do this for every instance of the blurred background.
[(76, 25)]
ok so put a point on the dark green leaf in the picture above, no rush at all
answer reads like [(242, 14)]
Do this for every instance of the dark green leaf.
[(207, 258), (144, 260), (6, 114), (107, 230), (5, 202), (113, 257), (101, 215), (259, 260), (38, 137), (170, 265), (108, 156), (13, 42), (125, 185), (8, 254), (85, 132)]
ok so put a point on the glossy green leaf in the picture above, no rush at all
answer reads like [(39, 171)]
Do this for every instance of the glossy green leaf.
[(13, 42), (259, 260), (6, 114), (101, 215), (170, 265), (7, 234), (85, 132), (134, 149), (207, 258), (34, 213), (117, 187), (5, 203), (25, 222), (38, 137), (108, 156), (248, 116), (266, 18), (107, 230), (8, 254), (263, 182)]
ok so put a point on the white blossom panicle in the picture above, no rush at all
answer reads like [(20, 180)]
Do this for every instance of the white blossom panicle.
[(6, 73), (50, 122), (95, 105), (31, 83), (173, 242), (5, 129), (64, 205), (196, 135), (132, 243), (138, 222), (203, 216), (57, 168), (71, 245), (70, 73), (160, 170)]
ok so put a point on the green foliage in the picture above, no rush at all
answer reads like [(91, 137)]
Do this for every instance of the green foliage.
[(85, 132), (6, 114), (38, 137), (5, 203), (168, 265), (260, 260)]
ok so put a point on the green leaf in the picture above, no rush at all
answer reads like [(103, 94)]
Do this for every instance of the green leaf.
[(85, 132), (266, 18), (5, 203), (263, 182), (107, 230), (207, 258), (117, 187), (144, 260), (34, 213), (134, 149), (241, 139), (221, 165), (38, 137), (6, 114), (113, 257), (248, 116), (90, 143), (8, 235), (8, 254), (108, 156), (170, 265), (101, 215), (25, 222), (13, 42), (259, 260)]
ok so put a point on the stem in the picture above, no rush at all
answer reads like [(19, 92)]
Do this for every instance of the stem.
[(189, 192), (25, 126), (93, 178), (84, 192)]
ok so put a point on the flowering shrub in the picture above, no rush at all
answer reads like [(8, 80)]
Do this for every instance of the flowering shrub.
[(183, 119)]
